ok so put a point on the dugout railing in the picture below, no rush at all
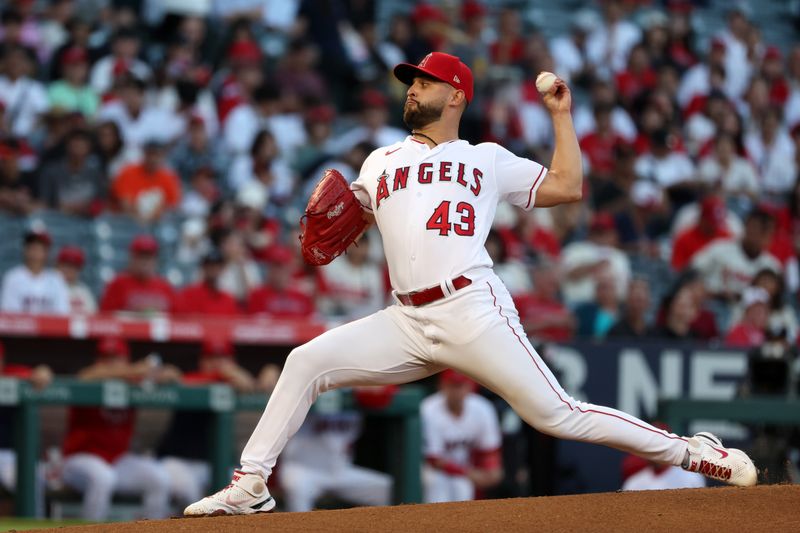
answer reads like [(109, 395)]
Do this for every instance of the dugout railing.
[(221, 403)]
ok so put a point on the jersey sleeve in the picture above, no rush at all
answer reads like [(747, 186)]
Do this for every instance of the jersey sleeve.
[(490, 437), (359, 186), (10, 301), (518, 178), (432, 440), (61, 303)]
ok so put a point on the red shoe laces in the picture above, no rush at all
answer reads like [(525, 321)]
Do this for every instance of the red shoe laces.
[(715, 471)]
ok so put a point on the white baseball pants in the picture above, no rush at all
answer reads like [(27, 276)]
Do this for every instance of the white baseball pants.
[(304, 484), (130, 474), (440, 486), (476, 331), (188, 478)]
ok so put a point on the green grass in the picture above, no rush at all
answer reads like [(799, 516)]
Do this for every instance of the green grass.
[(23, 524)]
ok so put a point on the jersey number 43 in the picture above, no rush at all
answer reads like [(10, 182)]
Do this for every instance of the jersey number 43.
[(440, 219)]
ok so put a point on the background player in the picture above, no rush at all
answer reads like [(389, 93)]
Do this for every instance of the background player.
[(98, 461), (462, 441), (433, 197)]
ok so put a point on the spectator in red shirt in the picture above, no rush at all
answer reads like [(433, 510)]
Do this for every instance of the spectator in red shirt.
[(277, 298), (97, 442), (205, 297), (139, 289), (541, 312), (749, 331), (599, 146), (710, 226)]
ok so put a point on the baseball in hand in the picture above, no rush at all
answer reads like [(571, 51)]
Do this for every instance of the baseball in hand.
[(545, 81)]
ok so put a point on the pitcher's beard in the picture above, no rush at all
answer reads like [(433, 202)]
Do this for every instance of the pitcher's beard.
[(419, 116)]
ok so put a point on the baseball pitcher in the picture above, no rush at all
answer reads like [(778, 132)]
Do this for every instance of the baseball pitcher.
[(433, 197)]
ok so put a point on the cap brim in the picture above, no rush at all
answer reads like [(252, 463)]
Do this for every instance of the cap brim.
[(406, 72)]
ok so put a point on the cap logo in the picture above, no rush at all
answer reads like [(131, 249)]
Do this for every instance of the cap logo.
[(425, 60), (456, 79)]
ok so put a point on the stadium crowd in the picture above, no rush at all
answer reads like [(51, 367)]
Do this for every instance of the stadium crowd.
[(222, 115)]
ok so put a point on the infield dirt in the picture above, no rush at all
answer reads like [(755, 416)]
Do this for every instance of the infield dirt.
[(759, 509)]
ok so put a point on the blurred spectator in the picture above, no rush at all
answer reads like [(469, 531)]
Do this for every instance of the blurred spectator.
[(148, 189), (611, 41), (40, 377), (98, 461), (184, 448), (570, 52), (584, 262), (16, 179), (599, 146), (139, 122), (139, 290), (196, 151), (354, 284), (728, 265), (527, 235), (265, 112), (75, 182), (748, 332), (633, 323), (372, 126), (725, 171), (112, 149), (278, 298), (31, 287), (737, 66), (78, 33), (541, 312), (23, 98), (241, 274), (205, 297), (319, 129), (709, 227), (244, 58), (509, 48), (772, 150), (679, 311), (296, 73), (72, 93), (596, 317), (698, 80), (123, 60), (69, 263), (603, 96), (201, 193), (461, 441), (670, 170), (511, 271), (263, 169), (781, 315)]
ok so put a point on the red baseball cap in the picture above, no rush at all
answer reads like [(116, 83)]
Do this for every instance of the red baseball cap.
[(71, 255), (37, 235), (74, 55), (602, 221), (712, 208), (279, 254), (440, 66), (113, 346), (144, 244), (245, 52), (217, 347), (450, 376)]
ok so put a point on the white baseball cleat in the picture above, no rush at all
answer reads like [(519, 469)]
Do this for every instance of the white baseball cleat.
[(707, 456), (246, 494)]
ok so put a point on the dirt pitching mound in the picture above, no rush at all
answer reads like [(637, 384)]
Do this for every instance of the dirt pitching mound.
[(762, 509)]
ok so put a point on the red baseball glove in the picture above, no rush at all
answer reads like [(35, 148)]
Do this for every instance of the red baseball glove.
[(333, 220)]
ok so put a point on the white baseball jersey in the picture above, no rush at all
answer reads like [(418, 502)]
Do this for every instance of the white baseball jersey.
[(452, 438), (42, 294), (433, 236)]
